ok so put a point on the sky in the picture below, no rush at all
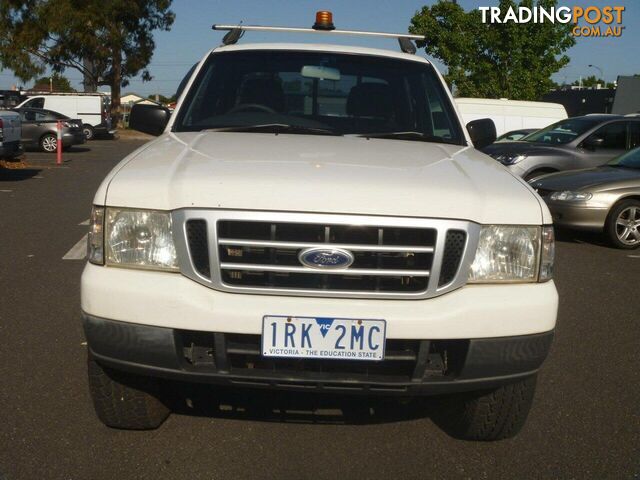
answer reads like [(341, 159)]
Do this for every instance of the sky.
[(191, 35)]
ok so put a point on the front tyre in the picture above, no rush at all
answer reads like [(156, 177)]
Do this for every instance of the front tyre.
[(488, 415), (123, 400), (623, 224)]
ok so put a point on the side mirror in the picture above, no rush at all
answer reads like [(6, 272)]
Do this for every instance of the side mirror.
[(482, 132), (151, 119), (593, 142)]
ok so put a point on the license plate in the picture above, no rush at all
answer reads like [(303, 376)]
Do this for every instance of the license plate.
[(320, 337)]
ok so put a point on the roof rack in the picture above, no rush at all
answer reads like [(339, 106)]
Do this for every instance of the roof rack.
[(323, 25), (47, 92)]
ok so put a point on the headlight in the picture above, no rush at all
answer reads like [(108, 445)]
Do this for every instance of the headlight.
[(95, 239), (139, 239), (512, 254), (568, 196), (510, 158), (548, 253)]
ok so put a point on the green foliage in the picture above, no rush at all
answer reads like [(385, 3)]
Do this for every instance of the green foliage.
[(163, 99), (592, 81), (114, 37), (59, 82), (494, 60)]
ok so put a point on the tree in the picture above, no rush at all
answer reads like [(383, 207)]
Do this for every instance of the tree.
[(593, 81), (494, 60), (162, 99), (109, 42), (56, 82)]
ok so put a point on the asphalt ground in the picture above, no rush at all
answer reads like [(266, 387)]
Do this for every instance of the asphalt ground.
[(585, 421)]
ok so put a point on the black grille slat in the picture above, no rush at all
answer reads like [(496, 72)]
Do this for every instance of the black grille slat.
[(289, 257), (453, 250), (199, 246), (321, 281)]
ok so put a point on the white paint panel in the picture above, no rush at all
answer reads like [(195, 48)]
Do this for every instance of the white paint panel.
[(307, 173)]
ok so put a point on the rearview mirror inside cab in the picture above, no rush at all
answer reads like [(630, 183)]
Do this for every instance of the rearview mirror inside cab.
[(151, 119), (320, 72), (482, 132)]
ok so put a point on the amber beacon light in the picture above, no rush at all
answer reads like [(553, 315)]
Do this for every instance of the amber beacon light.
[(324, 21)]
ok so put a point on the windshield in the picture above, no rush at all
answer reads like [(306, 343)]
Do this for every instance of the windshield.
[(513, 136), (631, 159), (319, 93), (563, 131)]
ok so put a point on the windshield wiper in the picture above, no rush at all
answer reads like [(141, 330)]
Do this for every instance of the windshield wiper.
[(274, 128), (409, 135)]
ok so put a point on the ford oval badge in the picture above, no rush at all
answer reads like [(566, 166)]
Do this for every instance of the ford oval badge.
[(326, 258)]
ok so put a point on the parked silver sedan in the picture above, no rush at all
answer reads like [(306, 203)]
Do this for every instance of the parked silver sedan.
[(579, 142), (605, 198), (39, 129)]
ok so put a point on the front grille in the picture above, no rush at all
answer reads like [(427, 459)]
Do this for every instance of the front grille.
[(199, 246), (265, 255), (453, 250), (263, 252)]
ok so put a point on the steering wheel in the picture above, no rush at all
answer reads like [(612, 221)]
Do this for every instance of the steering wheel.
[(251, 106)]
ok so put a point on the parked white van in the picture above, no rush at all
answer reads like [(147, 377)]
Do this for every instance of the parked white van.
[(91, 108), (511, 115)]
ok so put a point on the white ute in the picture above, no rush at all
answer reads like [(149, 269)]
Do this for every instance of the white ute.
[(316, 217)]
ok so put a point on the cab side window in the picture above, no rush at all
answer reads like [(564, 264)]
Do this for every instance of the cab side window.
[(35, 103), (613, 135)]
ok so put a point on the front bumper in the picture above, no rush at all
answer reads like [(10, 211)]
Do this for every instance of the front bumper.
[(10, 149), (419, 367), (580, 217), (172, 300)]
